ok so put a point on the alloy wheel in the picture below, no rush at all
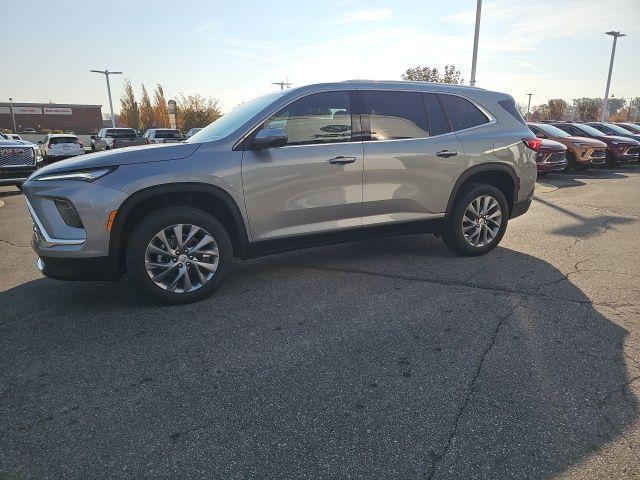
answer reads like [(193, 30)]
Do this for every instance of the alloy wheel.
[(182, 258), (481, 221)]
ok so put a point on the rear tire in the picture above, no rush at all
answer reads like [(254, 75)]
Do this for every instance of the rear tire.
[(463, 224), (145, 260)]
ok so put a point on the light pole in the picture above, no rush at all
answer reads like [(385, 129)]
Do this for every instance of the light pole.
[(13, 117), (529, 105), (605, 104), (106, 74), (573, 109), (476, 35)]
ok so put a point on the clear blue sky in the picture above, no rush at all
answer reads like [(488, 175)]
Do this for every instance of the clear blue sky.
[(233, 50)]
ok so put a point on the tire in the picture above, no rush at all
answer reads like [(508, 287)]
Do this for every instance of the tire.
[(143, 245), (571, 163), (453, 235), (609, 161)]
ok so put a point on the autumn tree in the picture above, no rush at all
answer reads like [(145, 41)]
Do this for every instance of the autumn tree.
[(426, 74), (129, 111), (587, 109), (147, 119), (196, 111), (160, 111), (557, 109)]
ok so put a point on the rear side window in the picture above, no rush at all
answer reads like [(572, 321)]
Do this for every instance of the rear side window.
[(571, 130), (510, 106), (438, 123), (462, 113), (318, 118), (396, 115), (168, 134)]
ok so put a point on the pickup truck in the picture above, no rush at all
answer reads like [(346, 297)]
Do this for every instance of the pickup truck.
[(18, 160), (110, 138)]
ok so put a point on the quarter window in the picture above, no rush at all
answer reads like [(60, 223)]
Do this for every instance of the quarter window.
[(318, 118), (396, 115), (462, 113)]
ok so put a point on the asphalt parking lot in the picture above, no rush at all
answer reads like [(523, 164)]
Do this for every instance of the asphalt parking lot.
[(382, 359)]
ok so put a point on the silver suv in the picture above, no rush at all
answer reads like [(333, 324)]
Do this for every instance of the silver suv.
[(301, 167)]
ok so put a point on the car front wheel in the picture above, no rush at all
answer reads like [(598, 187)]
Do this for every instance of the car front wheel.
[(477, 221), (179, 255)]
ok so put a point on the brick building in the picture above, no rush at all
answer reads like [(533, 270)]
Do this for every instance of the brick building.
[(81, 119)]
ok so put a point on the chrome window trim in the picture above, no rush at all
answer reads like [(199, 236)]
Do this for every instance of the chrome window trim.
[(48, 240)]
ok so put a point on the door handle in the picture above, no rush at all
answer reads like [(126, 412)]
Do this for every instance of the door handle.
[(340, 160), (446, 153)]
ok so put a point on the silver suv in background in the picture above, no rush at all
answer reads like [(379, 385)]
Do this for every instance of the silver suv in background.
[(163, 135), (297, 168), (109, 138)]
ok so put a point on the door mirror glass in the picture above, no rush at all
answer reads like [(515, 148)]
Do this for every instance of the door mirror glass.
[(270, 137)]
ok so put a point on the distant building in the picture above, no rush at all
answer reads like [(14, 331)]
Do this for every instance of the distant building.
[(81, 119)]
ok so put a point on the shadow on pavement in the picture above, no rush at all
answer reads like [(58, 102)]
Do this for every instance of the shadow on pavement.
[(577, 179), (387, 358)]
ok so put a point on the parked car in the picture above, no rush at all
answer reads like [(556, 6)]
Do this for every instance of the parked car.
[(18, 160), (109, 138), (294, 168), (29, 130), (11, 136), (58, 146), (613, 129), (582, 152), (163, 135), (629, 127), (619, 149), (551, 157), (192, 132)]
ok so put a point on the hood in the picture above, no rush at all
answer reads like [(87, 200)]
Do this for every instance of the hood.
[(124, 156), (552, 145), (592, 142), (615, 138)]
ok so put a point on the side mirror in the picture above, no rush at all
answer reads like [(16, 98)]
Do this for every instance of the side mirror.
[(40, 142), (270, 137), (93, 137)]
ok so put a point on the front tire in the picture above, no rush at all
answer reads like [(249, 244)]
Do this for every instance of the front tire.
[(178, 255), (478, 220)]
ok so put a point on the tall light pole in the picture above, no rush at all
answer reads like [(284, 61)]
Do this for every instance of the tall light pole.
[(476, 36), (529, 105), (573, 109), (605, 104), (106, 73), (13, 117)]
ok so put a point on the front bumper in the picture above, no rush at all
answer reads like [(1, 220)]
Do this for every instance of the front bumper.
[(15, 175), (95, 268)]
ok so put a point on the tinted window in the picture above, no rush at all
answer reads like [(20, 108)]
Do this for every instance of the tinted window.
[(438, 123), (571, 130), (510, 106), (168, 134), (57, 140), (395, 115), (461, 112), (318, 118), (551, 131), (602, 128)]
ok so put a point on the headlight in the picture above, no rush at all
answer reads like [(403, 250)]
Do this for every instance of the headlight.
[(83, 175), (581, 144)]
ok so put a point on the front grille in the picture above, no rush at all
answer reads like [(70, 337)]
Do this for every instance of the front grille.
[(16, 157), (633, 151), (556, 157), (599, 154)]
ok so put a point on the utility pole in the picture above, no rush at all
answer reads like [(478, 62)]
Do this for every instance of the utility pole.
[(13, 117), (282, 84), (529, 106), (106, 73), (476, 35), (605, 104)]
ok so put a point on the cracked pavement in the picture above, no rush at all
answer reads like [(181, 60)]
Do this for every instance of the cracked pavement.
[(387, 358)]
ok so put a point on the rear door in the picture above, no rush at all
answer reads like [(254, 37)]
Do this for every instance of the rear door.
[(411, 157), (314, 183)]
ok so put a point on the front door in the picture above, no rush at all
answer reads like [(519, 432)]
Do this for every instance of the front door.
[(314, 183)]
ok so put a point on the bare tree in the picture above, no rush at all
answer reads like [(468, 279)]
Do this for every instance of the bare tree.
[(587, 109), (557, 108), (427, 74), (147, 119)]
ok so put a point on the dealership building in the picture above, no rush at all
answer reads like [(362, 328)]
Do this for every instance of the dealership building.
[(81, 119)]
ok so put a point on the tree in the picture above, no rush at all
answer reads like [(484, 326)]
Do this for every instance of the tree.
[(557, 109), (147, 119), (196, 111), (615, 104), (426, 74), (129, 111), (522, 108), (540, 112), (160, 111), (587, 109)]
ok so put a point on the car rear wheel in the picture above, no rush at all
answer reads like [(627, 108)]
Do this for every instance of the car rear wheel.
[(179, 255), (478, 220)]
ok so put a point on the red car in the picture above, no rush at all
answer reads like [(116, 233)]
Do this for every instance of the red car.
[(551, 157)]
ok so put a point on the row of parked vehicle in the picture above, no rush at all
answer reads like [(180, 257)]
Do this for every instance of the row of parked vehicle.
[(569, 146), (109, 138)]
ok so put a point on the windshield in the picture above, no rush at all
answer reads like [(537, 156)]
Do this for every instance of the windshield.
[(589, 130), (168, 134), (230, 122), (617, 130), (551, 131), (121, 133), (630, 127)]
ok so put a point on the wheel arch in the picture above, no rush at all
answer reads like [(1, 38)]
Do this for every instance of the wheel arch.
[(209, 198), (500, 175)]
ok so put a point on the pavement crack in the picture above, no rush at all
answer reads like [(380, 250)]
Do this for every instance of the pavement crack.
[(13, 244), (470, 391)]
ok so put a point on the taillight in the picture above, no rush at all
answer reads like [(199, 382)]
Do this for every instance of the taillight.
[(533, 143), (114, 144), (79, 143), (50, 145)]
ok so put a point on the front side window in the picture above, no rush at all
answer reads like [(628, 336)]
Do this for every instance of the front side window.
[(396, 115), (462, 113), (317, 118)]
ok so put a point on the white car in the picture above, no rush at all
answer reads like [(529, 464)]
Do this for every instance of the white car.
[(163, 135), (11, 136), (56, 146)]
